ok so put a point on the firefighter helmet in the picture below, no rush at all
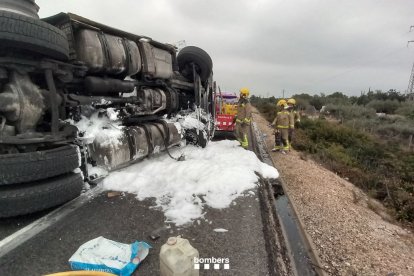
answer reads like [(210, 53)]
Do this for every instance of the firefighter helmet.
[(281, 102), (244, 91), (291, 101)]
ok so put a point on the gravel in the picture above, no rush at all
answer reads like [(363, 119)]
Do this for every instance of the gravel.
[(352, 233)]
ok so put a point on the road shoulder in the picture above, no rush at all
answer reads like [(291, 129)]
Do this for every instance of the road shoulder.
[(350, 238)]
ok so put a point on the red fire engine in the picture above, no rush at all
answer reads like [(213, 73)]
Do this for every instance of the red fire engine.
[(226, 110)]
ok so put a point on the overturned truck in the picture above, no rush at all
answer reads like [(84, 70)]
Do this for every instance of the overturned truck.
[(60, 72)]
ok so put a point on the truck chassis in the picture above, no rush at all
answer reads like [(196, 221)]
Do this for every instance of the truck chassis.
[(61, 70)]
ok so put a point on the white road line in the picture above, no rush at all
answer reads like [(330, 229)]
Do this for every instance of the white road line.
[(16, 239)]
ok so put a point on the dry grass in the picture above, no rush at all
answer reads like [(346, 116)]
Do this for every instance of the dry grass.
[(356, 197), (379, 209)]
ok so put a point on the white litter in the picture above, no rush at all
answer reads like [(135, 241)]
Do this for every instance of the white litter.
[(105, 255), (220, 230)]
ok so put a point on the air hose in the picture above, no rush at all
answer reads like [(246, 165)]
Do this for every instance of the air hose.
[(164, 137), (81, 273)]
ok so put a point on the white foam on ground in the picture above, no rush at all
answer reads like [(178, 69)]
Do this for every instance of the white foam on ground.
[(213, 176)]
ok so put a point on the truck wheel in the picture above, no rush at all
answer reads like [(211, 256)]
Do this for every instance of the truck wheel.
[(31, 166), (194, 138), (33, 35), (31, 197), (25, 7), (192, 54)]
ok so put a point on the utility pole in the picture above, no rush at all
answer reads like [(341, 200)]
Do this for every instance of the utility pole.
[(410, 90), (283, 93)]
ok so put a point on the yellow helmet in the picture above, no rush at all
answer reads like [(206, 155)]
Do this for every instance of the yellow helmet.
[(281, 102), (244, 91), (291, 101)]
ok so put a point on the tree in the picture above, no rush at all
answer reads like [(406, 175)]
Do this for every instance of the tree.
[(317, 102)]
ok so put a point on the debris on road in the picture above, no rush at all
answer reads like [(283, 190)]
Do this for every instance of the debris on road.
[(177, 257), (220, 230), (105, 255), (157, 232), (113, 194)]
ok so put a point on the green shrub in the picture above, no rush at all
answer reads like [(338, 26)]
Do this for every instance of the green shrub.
[(268, 110), (406, 109), (387, 106), (381, 169), (336, 152), (348, 112), (404, 205), (400, 129)]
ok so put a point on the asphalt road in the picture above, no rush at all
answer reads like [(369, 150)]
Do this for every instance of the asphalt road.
[(254, 242), (125, 219)]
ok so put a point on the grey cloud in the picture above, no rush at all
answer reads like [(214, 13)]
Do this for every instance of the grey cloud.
[(300, 46)]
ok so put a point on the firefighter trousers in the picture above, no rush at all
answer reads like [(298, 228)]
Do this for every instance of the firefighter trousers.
[(281, 139), (291, 135), (242, 132)]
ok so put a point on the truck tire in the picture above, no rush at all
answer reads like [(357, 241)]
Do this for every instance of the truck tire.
[(196, 138), (32, 35), (203, 62), (25, 7), (31, 197), (31, 166)]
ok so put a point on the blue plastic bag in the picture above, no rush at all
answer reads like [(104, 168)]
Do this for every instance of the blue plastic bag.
[(105, 255)]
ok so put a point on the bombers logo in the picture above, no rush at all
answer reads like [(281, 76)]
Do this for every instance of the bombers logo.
[(211, 263)]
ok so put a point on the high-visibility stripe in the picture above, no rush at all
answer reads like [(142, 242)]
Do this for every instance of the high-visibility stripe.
[(246, 120), (245, 142), (279, 126)]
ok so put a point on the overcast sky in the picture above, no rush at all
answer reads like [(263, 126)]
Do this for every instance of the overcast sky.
[(318, 46)]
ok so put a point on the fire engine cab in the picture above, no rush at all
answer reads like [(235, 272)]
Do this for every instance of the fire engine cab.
[(226, 110)]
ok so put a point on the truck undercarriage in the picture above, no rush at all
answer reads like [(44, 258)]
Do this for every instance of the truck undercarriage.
[(78, 97)]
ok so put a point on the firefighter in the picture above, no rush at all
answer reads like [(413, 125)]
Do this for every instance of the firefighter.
[(278, 138), (243, 118), (295, 118), (282, 123)]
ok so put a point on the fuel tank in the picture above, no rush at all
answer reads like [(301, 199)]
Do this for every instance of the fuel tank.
[(157, 63), (137, 142), (107, 54)]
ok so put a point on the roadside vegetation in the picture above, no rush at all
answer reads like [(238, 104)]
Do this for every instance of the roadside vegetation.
[(366, 139)]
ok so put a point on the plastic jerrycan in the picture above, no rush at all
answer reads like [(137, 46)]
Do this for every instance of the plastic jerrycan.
[(177, 258)]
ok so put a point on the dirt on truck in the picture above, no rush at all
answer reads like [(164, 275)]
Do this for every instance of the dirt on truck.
[(65, 76)]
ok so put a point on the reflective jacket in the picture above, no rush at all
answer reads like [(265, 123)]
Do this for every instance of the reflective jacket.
[(295, 117), (244, 111), (283, 120)]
